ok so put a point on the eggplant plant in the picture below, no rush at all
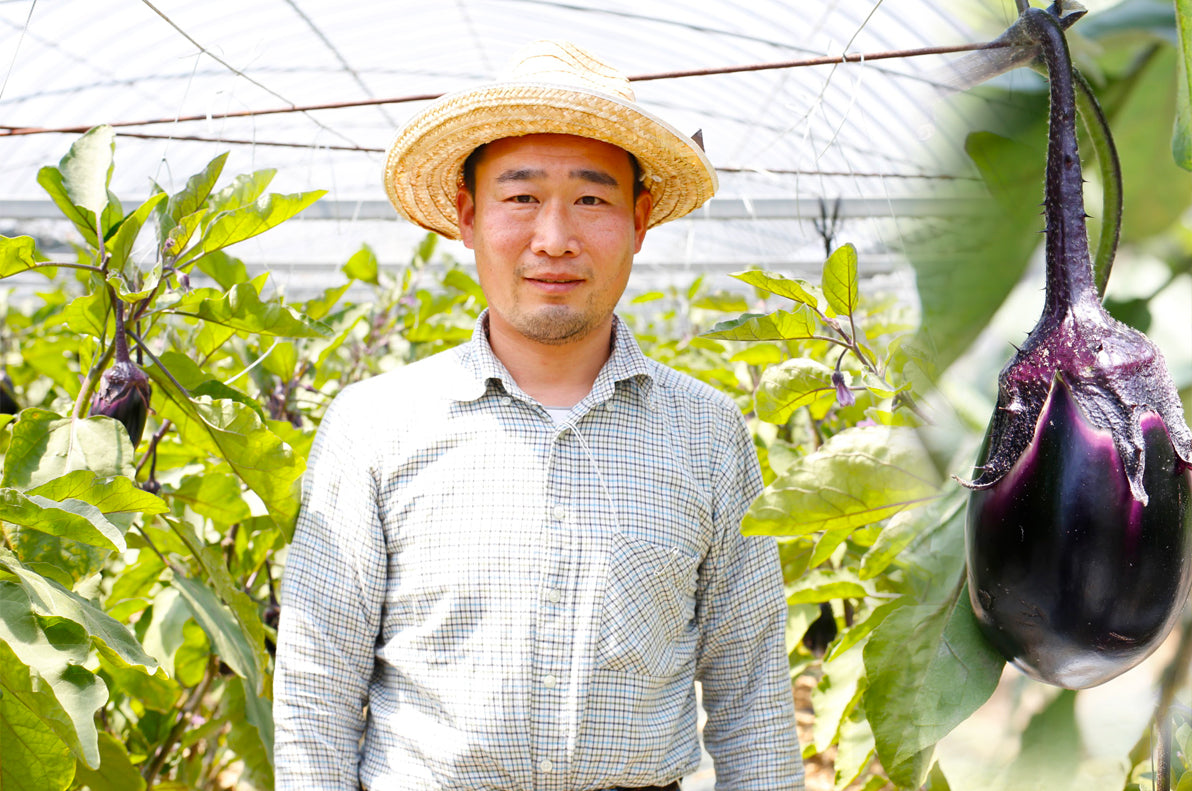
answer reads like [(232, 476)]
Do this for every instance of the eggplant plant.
[(1079, 523)]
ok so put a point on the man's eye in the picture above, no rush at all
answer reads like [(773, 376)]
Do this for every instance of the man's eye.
[(590, 200), (522, 199)]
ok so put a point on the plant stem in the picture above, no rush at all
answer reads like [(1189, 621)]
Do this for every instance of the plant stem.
[(184, 717), (1069, 269)]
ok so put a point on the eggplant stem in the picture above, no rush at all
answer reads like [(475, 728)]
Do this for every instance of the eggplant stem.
[(1069, 268)]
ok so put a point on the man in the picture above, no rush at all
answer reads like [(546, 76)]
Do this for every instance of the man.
[(515, 558)]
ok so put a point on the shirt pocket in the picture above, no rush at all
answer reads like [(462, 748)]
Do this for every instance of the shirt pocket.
[(647, 617)]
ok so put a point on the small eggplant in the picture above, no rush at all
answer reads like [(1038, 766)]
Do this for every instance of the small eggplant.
[(8, 400), (1079, 528), (123, 393)]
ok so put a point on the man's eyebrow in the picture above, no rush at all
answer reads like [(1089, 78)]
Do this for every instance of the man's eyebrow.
[(595, 176), (524, 174), (584, 174)]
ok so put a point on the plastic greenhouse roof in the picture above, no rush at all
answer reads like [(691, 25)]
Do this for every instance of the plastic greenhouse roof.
[(789, 142)]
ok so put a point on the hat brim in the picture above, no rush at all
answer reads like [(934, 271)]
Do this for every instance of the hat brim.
[(423, 166)]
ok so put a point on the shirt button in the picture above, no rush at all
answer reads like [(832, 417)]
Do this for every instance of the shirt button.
[(550, 682), (546, 765), (554, 596), (559, 512), (608, 405), (506, 400)]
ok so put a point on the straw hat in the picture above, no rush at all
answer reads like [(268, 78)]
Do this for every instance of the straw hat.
[(553, 87)]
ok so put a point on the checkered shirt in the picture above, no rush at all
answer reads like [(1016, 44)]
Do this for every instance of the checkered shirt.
[(478, 597)]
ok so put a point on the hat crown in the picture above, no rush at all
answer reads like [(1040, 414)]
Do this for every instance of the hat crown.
[(563, 63)]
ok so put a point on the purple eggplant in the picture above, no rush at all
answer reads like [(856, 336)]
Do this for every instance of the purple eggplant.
[(124, 394), (1079, 528)]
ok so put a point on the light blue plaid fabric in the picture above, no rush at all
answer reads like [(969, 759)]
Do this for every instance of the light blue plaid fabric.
[(478, 597)]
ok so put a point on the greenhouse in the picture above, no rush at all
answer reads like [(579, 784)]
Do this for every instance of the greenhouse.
[(984, 530)]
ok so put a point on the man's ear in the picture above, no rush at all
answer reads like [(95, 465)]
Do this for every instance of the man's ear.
[(465, 212), (641, 218)]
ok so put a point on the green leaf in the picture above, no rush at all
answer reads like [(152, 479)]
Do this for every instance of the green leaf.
[(793, 384), (320, 306), (840, 280), (862, 628), (895, 536), (855, 746), (823, 585), (87, 169), (797, 324), (190, 199), (929, 668), (214, 495), (1155, 189), (1051, 751), (111, 495), (245, 188), (119, 247), (71, 519), (1181, 142), (54, 649), (252, 732), (362, 265), (243, 608), (967, 265), (224, 269), (116, 771), (221, 629), (235, 432), (242, 309), (835, 695), (236, 225), (32, 755), (778, 284), (46, 445), (88, 314), (858, 477), (18, 254), (461, 281), (50, 598)]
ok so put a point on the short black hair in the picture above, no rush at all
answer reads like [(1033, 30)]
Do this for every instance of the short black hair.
[(469, 172)]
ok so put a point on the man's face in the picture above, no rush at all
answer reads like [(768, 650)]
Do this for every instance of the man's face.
[(554, 226)]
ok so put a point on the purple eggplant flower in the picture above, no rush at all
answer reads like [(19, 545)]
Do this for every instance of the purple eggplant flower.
[(1078, 528), (124, 394), (844, 396)]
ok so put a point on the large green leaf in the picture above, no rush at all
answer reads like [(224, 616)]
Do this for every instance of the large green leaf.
[(116, 771), (797, 324), (235, 432), (188, 201), (241, 308), (130, 283), (245, 188), (221, 628), (966, 265), (779, 284), (840, 280), (1181, 142), (858, 477), (89, 314), (793, 384), (215, 495), (236, 225), (32, 755), (69, 518), (79, 185), (55, 649), (837, 692), (111, 495), (50, 598), (1155, 190), (243, 608), (822, 585), (18, 255), (929, 669), (46, 445)]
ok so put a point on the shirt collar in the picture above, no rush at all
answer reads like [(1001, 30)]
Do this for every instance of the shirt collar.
[(479, 366)]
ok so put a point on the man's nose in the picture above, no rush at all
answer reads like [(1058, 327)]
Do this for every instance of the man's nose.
[(554, 231)]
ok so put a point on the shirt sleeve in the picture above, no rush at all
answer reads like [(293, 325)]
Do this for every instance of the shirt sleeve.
[(742, 665), (331, 598)]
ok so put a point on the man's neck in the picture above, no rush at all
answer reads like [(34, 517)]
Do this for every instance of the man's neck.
[(555, 375)]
